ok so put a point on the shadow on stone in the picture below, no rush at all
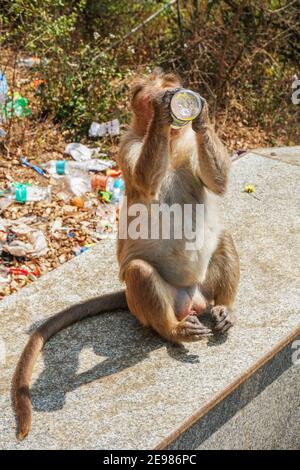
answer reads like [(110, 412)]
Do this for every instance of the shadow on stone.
[(115, 341)]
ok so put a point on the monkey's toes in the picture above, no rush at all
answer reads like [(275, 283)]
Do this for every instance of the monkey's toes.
[(221, 320), (191, 329)]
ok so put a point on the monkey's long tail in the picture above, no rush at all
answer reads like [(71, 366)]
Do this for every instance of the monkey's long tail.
[(23, 372)]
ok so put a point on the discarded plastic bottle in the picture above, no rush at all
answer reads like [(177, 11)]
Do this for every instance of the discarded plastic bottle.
[(114, 186), (185, 106), (62, 167), (3, 88), (26, 193)]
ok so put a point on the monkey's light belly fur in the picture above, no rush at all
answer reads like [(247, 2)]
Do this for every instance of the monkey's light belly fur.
[(107, 382)]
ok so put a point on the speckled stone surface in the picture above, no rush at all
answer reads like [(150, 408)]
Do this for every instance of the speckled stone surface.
[(261, 413), (289, 155), (268, 422), (109, 383)]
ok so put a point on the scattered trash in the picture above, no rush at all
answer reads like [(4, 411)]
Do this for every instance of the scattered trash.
[(249, 188), (77, 202), (62, 167), (34, 248), (111, 128), (114, 173), (29, 62), (3, 88), (68, 186), (22, 193), (4, 275), (69, 214), (113, 189), (22, 240), (38, 84), (82, 249), (33, 275), (81, 153), (16, 106), (26, 163)]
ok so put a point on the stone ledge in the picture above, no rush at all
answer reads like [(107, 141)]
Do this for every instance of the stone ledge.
[(108, 383)]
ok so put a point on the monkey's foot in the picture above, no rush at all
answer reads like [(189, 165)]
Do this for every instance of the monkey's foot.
[(191, 329), (221, 319)]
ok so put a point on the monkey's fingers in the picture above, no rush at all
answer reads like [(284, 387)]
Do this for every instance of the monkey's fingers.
[(220, 316), (191, 329)]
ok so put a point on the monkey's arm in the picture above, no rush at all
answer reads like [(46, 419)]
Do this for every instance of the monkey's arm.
[(145, 162), (213, 158), (152, 162)]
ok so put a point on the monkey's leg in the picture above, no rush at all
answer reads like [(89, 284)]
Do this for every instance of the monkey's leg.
[(220, 285), (152, 300)]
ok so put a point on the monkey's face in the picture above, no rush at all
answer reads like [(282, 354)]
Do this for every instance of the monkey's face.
[(144, 92)]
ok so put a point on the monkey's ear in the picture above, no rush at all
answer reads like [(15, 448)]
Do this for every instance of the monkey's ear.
[(136, 86)]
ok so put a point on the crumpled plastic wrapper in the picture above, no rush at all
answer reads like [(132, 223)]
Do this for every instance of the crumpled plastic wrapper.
[(111, 128), (35, 245), (80, 152), (5, 277)]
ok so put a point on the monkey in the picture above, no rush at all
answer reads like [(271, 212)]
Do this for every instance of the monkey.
[(167, 287)]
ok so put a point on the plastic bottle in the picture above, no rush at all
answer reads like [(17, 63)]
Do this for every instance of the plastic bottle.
[(114, 186), (62, 167), (26, 193), (3, 88), (185, 106)]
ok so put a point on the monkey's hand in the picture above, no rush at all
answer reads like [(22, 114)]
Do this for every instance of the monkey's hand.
[(161, 105), (201, 122)]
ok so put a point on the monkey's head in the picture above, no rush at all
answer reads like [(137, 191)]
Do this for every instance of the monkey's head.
[(144, 89)]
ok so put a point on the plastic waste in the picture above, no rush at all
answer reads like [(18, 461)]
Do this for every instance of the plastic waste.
[(29, 62), (3, 88), (17, 106), (82, 249), (69, 185), (115, 187), (33, 243), (111, 128), (2, 132), (80, 152), (24, 193), (36, 168), (4, 275), (35, 247), (62, 167)]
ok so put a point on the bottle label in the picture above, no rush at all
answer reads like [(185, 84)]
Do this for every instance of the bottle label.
[(60, 167), (21, 193)]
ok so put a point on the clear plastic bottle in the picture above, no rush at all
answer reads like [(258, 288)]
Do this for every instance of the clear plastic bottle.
[(185, 106), (26, 193), (63, 167), (3, 90), (114, 186)]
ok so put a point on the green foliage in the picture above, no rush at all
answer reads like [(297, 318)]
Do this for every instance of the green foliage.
[(240, 55)]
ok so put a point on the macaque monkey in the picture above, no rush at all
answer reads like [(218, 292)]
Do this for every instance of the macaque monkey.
[(167, 286)]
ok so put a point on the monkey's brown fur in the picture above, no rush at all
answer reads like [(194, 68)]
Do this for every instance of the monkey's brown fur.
[(167, 286)]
